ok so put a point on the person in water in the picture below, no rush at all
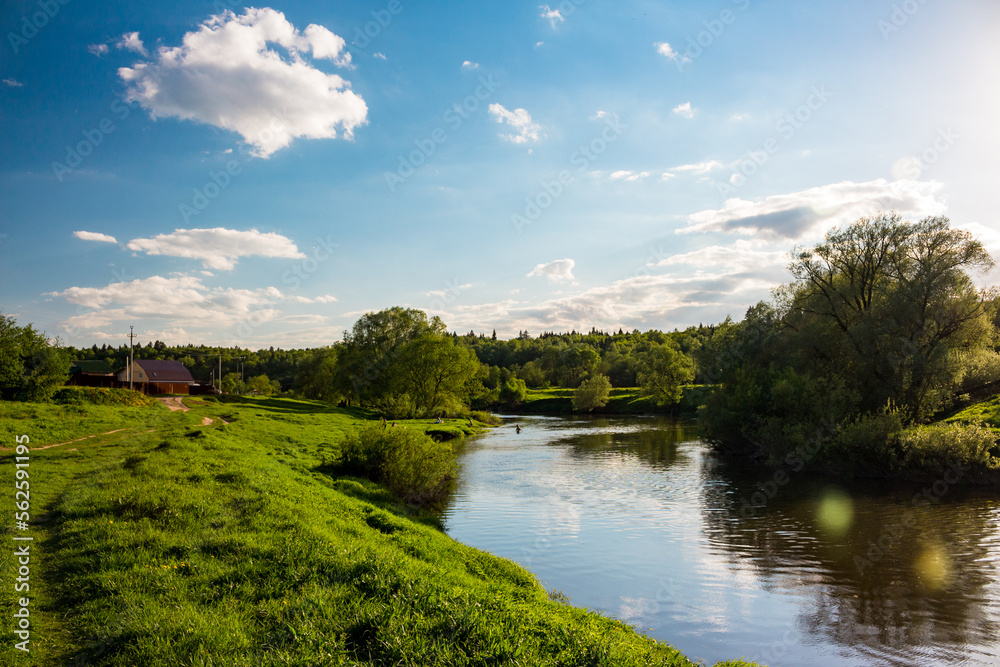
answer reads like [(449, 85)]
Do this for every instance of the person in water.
[(517, 428)]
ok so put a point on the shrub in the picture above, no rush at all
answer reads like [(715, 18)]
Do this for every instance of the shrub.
[(513, 392), (409, 463), (102, 396), (592, 393), (934, 447), (869, 440), (487, 418)]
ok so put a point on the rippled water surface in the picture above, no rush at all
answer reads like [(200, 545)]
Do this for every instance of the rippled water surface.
[(636, 518)]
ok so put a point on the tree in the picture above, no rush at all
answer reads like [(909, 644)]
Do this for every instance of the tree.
[(31, 366), (316, 375), (513, 392), (434, 373), (263, 386), (662, 372), (884, 303), (371, 349), (592, 393), (575, 363)]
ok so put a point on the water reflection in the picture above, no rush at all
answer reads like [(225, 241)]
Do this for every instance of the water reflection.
[(637, 518), (890, 573)]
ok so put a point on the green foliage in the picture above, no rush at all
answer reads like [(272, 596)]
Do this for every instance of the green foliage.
[(316, 377), (936, 447), (102, 396), (868, 443), (592, 394), (408, 462), (487, 418), (263, 386), (513, 392), (405, 365), (31, 367), (662, 372)]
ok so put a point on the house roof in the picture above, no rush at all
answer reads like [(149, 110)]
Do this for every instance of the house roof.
[(99, 367), (165, 371)]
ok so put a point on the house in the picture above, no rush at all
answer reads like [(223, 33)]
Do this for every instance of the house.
[(91, 374), (153, 376)]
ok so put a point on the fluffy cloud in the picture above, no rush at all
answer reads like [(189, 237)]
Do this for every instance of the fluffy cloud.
[(684, 110), (94, 236), (553, 16), (13, 83), (181, 299), (468, 66), (642, 301), (664, 49), (130, 41), (742, 257), (700, 167), (559, 271), (525, 129), (629, 175), (224, 74), (218, 248), (98, 49), (811, 212)]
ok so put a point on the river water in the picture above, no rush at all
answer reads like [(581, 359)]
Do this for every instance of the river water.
[(637, 518)]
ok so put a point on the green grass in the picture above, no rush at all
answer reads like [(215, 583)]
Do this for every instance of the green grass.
[(622, 401), (988, 412), (231, 544)]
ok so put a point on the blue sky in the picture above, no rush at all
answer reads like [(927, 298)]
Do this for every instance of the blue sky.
[(223, 173)]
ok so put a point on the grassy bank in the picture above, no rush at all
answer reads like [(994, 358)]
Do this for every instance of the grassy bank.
[(187, 543), (622, 401)]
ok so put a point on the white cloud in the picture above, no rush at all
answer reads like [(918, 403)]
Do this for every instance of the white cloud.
[(225, 75), (553, 16), (519, 120), (629, 175), (326, 298), (559, 271), (468, 66), (666, 176), (130, 41), (684, 110), (664, 49), (184, 300), (742, 256), (13, 83), (98, 49), (218, 248), (641, 301), (95, 236), (812, 212), (699, 168), (380, 56)]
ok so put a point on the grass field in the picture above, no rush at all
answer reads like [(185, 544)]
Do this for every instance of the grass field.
[(186, 543)]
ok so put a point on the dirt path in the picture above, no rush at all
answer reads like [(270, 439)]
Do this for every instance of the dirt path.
[(207, 421), (69, 442), (174, 403)]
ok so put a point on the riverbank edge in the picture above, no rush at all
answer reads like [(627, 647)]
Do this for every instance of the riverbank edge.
[(623, 401), (240, 438)]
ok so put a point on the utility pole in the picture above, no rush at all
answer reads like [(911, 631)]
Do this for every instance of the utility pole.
[(220, 370), (242, 366), (131, 361)]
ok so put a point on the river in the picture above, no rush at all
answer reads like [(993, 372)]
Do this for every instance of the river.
[(637, 518)]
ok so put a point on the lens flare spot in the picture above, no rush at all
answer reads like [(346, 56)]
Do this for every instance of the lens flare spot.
[(835, 512), (933, 567)]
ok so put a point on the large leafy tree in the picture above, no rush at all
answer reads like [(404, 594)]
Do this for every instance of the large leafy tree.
[(31, 366), (402, 362), (663, 370), (884, 303)]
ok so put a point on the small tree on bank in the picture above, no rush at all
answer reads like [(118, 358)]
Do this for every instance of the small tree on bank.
[(592, 394)]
